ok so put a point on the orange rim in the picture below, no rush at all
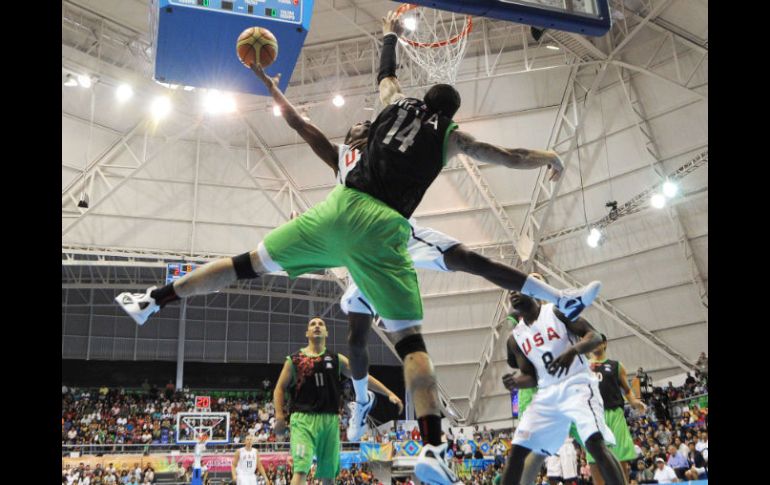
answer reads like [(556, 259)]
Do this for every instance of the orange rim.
[(467, 30)]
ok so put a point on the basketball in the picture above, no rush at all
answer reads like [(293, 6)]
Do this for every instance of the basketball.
[(257, 44)]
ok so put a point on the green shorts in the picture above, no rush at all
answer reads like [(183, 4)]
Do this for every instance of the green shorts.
[(315, 435), (624, 444), (525, 397), (353, 229)]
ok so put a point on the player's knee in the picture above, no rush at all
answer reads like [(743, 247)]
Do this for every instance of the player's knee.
[(244, 269), (460, 258), (409, 345)]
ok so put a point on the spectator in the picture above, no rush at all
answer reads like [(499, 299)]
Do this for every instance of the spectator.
[(677, 461), (698, 464), (703, 445), (664, 473), (643, 474)]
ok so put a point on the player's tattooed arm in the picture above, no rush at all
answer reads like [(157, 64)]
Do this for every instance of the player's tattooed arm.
[(527, 375), (325, 149), (519, 158)]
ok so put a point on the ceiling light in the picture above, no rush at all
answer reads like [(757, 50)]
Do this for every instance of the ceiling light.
[(410, 23), (84, 81), (658, 201), (124, 93), (670, 189), (161, 107), (338, 101)]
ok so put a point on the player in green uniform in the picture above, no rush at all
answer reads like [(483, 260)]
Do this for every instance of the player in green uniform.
[(313, 377), (613, 386)]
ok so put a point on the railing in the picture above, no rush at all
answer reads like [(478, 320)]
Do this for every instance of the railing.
[(675, 407), (112, 448)]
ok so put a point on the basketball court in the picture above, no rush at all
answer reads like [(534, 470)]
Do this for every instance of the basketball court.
[(173, 155)]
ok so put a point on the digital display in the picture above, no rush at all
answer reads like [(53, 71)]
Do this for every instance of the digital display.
[(290, 11), (174, 271)]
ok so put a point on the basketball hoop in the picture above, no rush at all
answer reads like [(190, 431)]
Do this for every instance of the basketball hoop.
[(437, 42)]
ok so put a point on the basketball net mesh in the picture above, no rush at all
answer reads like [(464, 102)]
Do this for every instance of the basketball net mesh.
[(438, 42)]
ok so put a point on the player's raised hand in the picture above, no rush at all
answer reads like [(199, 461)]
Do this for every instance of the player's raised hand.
[(261, 74), (562, 363), (392, 23), (556, 168)]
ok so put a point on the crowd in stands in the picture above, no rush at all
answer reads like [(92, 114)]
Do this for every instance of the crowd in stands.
[(671, 437), (84, 475), (117, 416)]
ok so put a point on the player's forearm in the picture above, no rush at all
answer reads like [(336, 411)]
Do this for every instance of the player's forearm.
[(288, 111), (386, 76), (278, 400), (525, 381), (588, 343)]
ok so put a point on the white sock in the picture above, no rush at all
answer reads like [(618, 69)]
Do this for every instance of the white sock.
[(361, 386), (541, 290)]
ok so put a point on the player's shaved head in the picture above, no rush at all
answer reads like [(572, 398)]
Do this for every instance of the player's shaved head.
[(443, 99)]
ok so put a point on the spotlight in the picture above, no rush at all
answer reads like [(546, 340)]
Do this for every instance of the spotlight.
[(594, 237), (124, 93), (658, 201), (338, 101), (84, 81), (276, 110), (161, 107), (216, 102), (552, 47), (670, 189)]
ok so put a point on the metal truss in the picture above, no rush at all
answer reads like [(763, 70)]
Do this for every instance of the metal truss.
[(644, 132), (634, 205)]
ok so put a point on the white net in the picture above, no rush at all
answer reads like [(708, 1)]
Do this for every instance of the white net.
[(435, 40)]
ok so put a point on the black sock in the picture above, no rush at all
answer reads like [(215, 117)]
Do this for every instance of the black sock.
[(164, 295), (430, 429)]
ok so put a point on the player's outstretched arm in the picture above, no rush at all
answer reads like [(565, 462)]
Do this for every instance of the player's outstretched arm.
[(527, 375), (374, 384), (519, 158), (278, 396), (390, 89), (629, 394), (309, 132), (590, 339)]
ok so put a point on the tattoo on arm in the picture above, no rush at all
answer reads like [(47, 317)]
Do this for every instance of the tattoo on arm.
[(520, 158)]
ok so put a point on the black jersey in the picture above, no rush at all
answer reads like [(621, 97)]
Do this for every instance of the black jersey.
[(608, 373), (404, 155), (315, 386)]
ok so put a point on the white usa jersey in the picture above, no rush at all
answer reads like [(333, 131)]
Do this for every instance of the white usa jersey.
[(346, 161), (247, 461), (543, 342)]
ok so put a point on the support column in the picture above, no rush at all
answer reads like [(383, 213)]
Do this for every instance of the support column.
[(180, 345)]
